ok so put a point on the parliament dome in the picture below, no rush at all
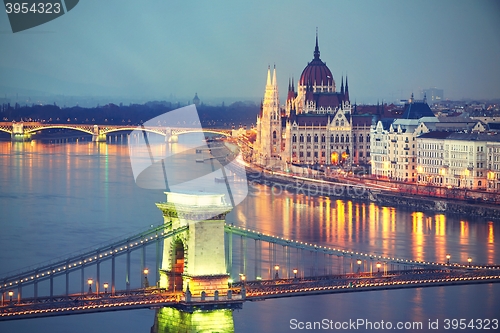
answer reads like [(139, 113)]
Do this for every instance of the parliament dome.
[(317, 72)]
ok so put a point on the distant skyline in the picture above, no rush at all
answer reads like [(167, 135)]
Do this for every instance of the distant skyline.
[(221, 49)]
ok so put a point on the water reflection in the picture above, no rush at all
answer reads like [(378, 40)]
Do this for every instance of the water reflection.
[(169, 320)]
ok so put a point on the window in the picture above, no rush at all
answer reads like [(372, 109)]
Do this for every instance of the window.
[(336, 138), (323, 138), (361, 138), (316, 138), (274, 134), (294, 138), (342, 138), (347, 138), (308, 138), (308, 154), (301, 139), (331, 138), (368, 138)]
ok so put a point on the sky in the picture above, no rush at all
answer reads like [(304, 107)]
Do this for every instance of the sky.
[(161, 49)]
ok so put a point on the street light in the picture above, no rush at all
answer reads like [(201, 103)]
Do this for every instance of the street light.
[(146, 282), (11, 293), (89, 282), (106, 285), (448, 256), (378, 267), (359, 265), (295, 273), (469, 260), (276, 268), (230, 283)]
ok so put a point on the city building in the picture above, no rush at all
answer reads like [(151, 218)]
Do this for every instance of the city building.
[(196, 100), (461, 160), (433, 95), (316, 126), (393, 145)]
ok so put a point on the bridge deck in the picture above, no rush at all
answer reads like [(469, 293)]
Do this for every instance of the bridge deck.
[(242, 291)]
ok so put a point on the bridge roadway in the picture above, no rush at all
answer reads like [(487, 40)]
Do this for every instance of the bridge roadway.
[(258, 290)]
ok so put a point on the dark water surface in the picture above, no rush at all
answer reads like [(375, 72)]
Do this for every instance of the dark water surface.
[(56, 199)]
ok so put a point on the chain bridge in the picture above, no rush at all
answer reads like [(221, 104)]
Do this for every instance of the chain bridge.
[(195, 261)]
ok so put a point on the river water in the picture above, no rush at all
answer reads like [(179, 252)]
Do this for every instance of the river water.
[(58, 198)]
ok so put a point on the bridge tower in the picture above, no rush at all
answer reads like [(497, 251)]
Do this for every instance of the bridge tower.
[(194, 257), (18, 133)]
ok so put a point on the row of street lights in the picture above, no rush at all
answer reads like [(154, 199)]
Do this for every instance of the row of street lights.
[(90, 281)]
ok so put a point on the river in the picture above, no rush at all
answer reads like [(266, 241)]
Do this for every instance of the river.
[(58, 198)]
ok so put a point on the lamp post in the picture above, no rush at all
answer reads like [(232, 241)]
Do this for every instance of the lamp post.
[(89, 282), (378, 267), (146, 282), (359, 265), (243, 278), (469, 260), (230, 283), (277, 268), (448, 256), (295, 273), (11, 293), (106, 285)]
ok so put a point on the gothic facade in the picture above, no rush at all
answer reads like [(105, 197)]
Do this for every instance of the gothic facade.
[(316, 125)]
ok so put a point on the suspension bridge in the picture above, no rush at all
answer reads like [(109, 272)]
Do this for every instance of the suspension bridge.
[(195, 261), (23, 131)]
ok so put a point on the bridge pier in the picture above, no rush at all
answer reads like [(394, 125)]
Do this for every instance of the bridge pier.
[(18, 133), (97, 136), (172, 320)]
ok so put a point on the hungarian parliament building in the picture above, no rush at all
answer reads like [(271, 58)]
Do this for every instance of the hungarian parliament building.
[(316, 125)]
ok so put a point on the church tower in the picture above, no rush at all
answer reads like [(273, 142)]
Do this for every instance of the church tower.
[(269, 123)]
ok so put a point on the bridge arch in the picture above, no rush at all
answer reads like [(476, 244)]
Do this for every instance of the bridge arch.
[(85, 129), (178, 265), (111, 130)]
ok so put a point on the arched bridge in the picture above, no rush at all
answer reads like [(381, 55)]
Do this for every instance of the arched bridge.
[(23, 131)]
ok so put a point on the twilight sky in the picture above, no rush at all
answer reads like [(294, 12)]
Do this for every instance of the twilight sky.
[(221, 49)]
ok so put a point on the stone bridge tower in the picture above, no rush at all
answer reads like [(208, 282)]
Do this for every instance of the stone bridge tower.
[(195, 256)]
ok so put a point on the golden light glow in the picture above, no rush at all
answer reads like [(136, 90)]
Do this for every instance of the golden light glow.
[(11, 293), (334, 158), (90, 281), (146, 271), (491, 175), (359, 261), (106, 286), (276, 267)]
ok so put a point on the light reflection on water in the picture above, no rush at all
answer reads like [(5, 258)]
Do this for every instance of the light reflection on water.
[(59, 198)]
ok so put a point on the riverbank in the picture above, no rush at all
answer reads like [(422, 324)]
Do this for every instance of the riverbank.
[(278, 182)]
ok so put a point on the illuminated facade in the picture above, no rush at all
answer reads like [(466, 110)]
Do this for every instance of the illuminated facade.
[(393, 148), (315, 126), (462, 160)]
